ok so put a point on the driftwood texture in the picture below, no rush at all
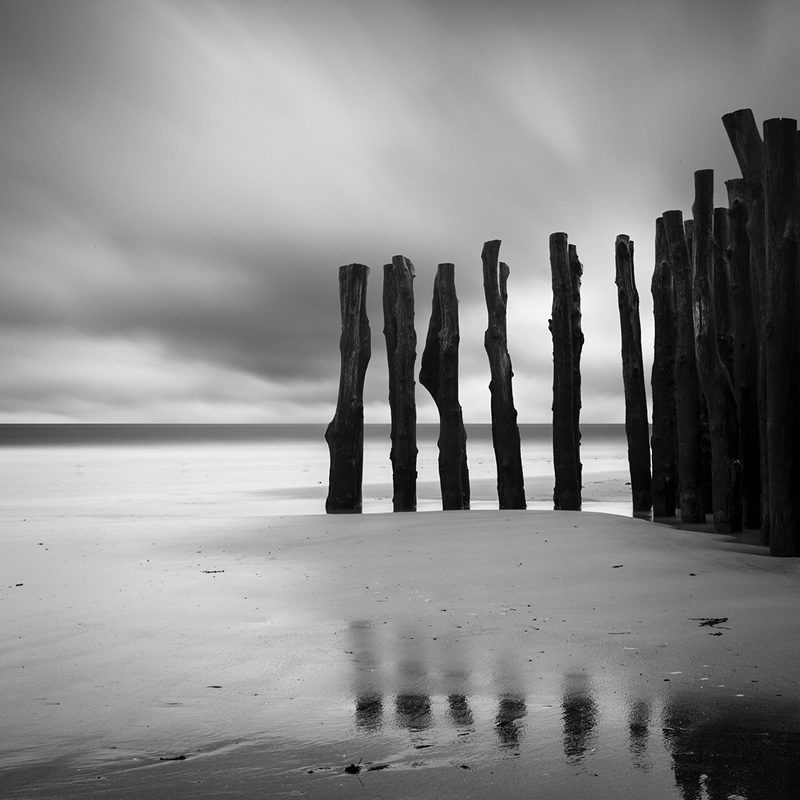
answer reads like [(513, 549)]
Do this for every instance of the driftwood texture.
[(745, 354), (567, 492), (714, 379), (722, 291), (575, 274), (748, 148), (401, 352), (345, 433), (781, 196), (439, 375), (505, 431), (637, 428), (664, 440), (688, 406)]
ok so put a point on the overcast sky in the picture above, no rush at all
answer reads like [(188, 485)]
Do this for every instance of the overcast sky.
[(180, 181)]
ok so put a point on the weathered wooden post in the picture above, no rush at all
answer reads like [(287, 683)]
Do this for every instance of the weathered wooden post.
[(567, 492), (782, 216), (637, 428), (345, 433), (713, 376), (575, 274), (439, 375), (721, 290), (745, 354), (505, 431), (688, 406), (401, 352), (664, 440), (748, 148)]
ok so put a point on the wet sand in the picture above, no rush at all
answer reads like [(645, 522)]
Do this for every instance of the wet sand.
[(459, 654)]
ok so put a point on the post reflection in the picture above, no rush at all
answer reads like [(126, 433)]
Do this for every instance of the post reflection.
[(579, 714), (509, 724), (734, 750), (368, 684), (460, 712), (709, 746), (639, 716), (413, 711), (369, 712)]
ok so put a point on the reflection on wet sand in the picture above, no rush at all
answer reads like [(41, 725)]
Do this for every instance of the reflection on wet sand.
[(510, 720), (733, 751), (639, 716), (460, 712), (716, 746), (579, 712)]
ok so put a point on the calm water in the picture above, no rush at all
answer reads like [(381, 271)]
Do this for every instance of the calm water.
[(266, 469)]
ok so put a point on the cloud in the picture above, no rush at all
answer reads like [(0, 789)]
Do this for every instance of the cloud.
[(180, 181)]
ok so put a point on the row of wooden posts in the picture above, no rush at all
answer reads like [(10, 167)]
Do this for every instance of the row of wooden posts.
[(726, 371), (438, 374)]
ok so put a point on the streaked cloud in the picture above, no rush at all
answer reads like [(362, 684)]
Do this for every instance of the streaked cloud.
[(181, 179)]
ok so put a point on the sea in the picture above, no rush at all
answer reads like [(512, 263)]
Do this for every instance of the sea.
[(121, 470)]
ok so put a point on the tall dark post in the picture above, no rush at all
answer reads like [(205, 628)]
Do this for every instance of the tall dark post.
[(664, 441), (505, 431), (401, 352), (575, 274), (781, 207), (688, 404), (721, 290), (714, 379), (745, 354), (567, 492), (637, 428), (439, 375), (345, 433), (748, 148)]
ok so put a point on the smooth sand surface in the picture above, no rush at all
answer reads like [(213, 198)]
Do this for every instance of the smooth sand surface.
[(456, 654)]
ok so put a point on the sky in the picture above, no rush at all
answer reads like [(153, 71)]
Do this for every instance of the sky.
[(180, 181)]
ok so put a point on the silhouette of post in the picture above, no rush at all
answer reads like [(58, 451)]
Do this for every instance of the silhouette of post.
[(567, 491), (575, 275), (722, 290), (714, 379), (637, 427), (745, 353), (688, 404), (505, 431), (748, 148), (664, 440), (401, 352), (345, 433), (439, 375), (782, 217)]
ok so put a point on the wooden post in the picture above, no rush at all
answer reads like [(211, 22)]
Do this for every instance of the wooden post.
[(664, 441), (713, 376), (745, 354), (567, 492), (575, 274), (637, 428), (781, 206), (505, 431), (721, 290), (705, 436), (439, 375), (748, 148), (345, 433), (401, 352), (688, 406)]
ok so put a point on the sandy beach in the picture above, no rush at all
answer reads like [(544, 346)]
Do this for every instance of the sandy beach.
[(463, 654)]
